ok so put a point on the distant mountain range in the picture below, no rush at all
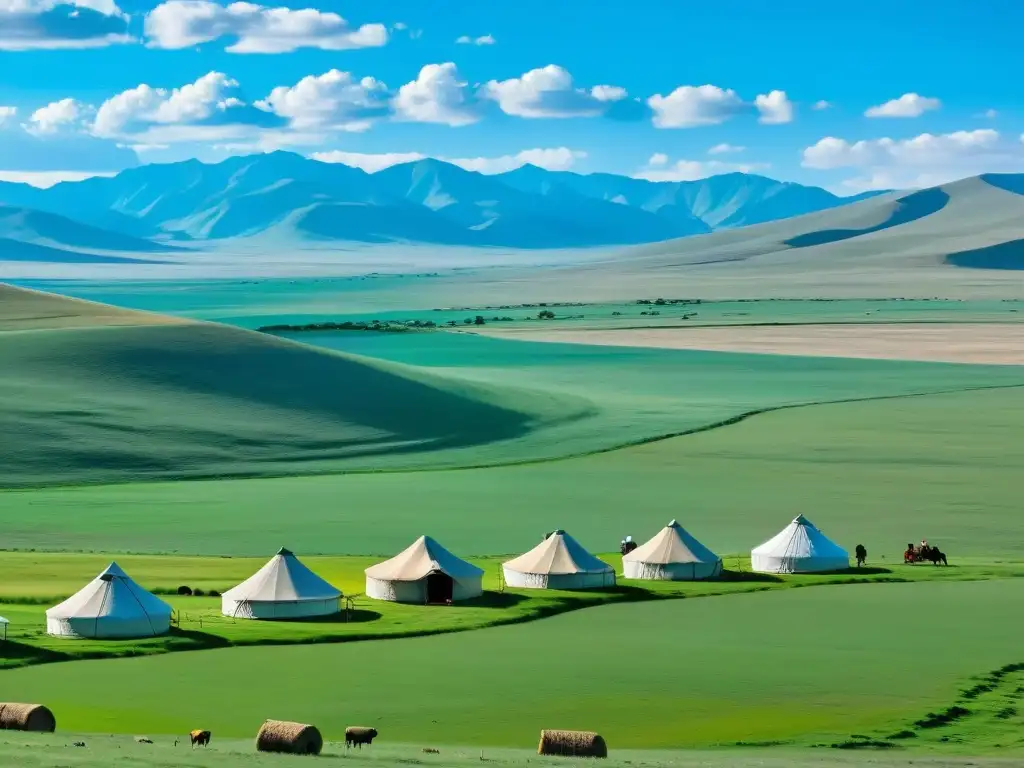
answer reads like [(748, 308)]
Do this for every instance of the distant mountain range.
[(284, 198)]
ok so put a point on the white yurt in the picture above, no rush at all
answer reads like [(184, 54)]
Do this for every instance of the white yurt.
[(284, 588), (110, 606), (799, 548), (672, 555), (558, 562), (425, 572)]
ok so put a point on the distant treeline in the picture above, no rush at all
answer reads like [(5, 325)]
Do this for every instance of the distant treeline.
[(389, 326), (386, 326)]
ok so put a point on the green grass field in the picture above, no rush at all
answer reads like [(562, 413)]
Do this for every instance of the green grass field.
[(796, 665), (95, 395), (85, 402), (34, 751), (36, 581), (945, 467), (252, 303)]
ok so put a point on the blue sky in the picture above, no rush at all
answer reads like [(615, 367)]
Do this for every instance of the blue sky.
[(869, 95)]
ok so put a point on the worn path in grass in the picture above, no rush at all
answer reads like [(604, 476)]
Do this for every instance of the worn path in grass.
[(798, 664), (882, 473)]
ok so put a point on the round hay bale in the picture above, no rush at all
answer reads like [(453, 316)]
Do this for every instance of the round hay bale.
[(572, 744), (26, 717), (290, 738)]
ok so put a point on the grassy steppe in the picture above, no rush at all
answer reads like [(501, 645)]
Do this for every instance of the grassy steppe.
[(82, 402), (34, 581), (36, 751), (794, 664), (252, 303), (945, 467)]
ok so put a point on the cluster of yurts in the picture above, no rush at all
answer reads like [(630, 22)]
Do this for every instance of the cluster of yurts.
[(114, 606)]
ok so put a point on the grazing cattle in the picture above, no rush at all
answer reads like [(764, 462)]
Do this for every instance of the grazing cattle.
[(357, 736), (202, 738)]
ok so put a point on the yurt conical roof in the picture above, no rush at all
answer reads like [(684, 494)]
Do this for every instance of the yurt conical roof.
[(672, 544), (558, 554), (284, 578), (420, 559), (800, 546), (111, 595)]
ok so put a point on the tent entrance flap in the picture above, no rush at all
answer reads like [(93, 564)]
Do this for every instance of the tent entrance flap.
[(440, 587)]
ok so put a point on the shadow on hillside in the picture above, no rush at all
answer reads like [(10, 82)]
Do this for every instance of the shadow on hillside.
[(495, 600), (194, 639), (355, 616), (270, 393), (16, 250), (750, 576), (910, 208), (1008, 255), (15, 654), (1008, 182)]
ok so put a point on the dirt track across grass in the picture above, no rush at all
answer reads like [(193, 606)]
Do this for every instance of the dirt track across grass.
[(988, 343)]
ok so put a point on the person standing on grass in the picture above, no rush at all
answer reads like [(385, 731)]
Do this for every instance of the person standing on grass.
[(862, 554)]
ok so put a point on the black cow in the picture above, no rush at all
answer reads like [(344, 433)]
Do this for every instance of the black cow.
[(356, 735)]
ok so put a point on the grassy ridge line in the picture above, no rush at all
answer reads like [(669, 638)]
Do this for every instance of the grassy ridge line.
[(731, 421), (75, 312), (203, 628)]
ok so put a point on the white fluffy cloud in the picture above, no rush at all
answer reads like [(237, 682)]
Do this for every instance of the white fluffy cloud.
[(921, 161), (6, 113), (557, 159), (256, 28), (437, 95), (552, 159), (724, 149), (56, 116), (46, 179), (689, 106), (775, 108), (210, 109), (482, 40), (818, 106), (659, 168), (907, 105), (550, 92), (56, 24), (333, 100), (371, 163)]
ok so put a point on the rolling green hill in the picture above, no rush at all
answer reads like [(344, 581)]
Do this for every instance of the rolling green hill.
[(90, 393)]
